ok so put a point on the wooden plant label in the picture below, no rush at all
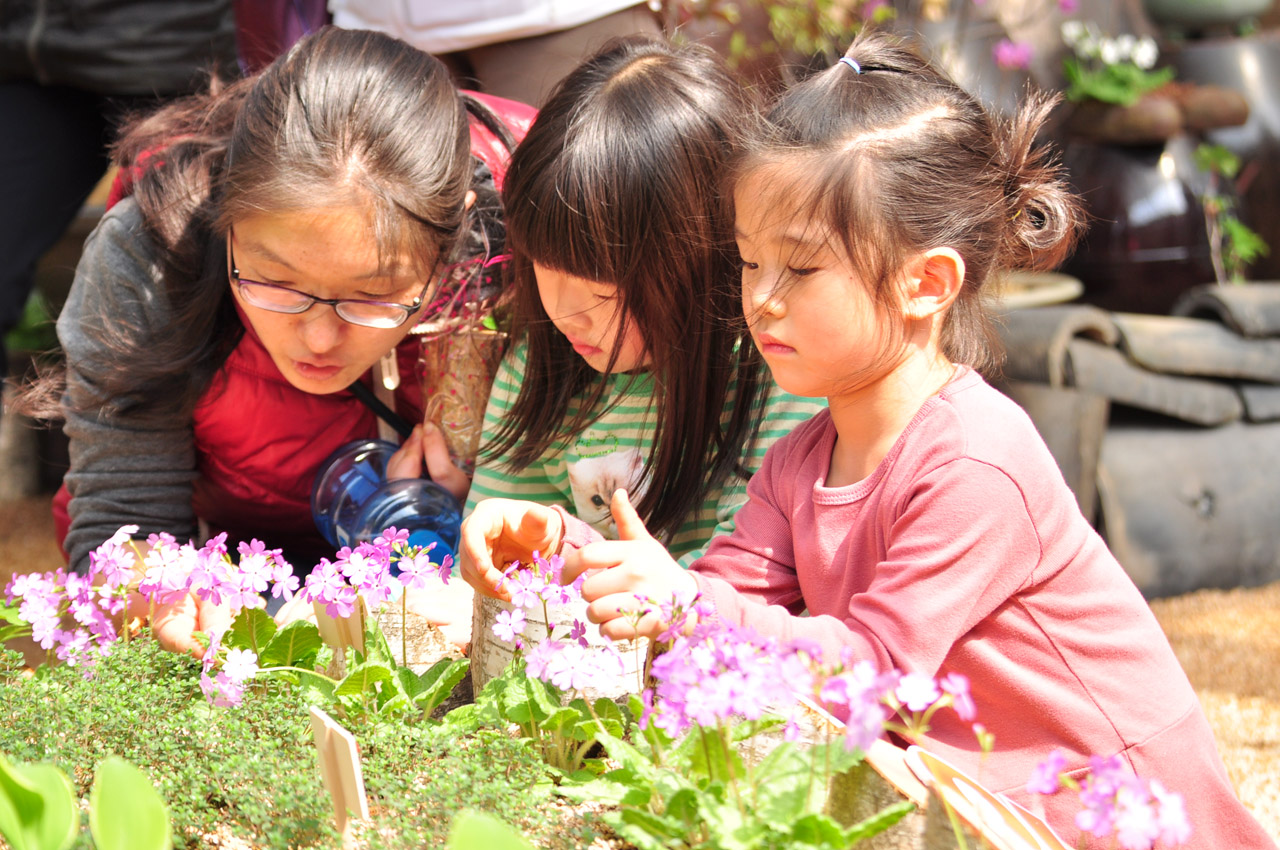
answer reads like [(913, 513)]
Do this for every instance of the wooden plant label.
[(999, 822), (340, 770), (341, 632)]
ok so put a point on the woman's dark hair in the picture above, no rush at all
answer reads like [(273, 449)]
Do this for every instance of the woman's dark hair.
[(621, 179), (892, 158), (345, 117)]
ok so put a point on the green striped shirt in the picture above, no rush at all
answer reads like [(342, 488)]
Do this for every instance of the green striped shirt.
[(580, 472)]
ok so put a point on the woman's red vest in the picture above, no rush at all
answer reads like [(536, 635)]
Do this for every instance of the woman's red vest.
[(260, 441)]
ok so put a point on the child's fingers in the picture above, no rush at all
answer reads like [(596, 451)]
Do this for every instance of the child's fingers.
[(440, 466), (604, 555), (622, 616), (630, 526), (540, 528), (475, 550)]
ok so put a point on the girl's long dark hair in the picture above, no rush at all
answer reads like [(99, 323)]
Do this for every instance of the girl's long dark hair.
[(346, 116), (621, 179)]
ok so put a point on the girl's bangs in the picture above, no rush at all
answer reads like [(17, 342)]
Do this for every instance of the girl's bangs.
[(571, 223)]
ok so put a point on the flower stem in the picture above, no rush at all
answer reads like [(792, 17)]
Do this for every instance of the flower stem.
[(288, 669)]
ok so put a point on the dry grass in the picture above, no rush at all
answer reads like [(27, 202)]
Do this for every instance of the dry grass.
[(1228, 642)]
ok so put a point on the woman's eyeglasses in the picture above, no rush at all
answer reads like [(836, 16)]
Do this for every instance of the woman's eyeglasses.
[(282, 299)]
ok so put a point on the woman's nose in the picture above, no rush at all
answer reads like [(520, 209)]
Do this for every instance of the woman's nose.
[(321, 329)]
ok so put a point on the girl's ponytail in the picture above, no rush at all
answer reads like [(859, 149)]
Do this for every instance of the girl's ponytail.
[(1044, 215)]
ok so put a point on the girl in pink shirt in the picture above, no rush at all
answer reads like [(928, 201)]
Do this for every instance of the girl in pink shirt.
[(920, 522)]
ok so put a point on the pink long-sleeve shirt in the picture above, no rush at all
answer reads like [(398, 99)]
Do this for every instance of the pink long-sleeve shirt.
[(965, 551)]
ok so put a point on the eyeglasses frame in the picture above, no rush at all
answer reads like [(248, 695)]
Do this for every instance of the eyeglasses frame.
[(233, 274)]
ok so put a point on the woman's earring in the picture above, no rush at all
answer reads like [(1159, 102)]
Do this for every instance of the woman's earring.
[(390, 370)]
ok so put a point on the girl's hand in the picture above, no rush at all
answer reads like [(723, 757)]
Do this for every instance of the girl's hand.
[(426, 446), (628, 575), (500, 531), (175, 624)]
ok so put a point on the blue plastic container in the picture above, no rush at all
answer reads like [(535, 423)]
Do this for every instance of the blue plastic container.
[(352, 501)]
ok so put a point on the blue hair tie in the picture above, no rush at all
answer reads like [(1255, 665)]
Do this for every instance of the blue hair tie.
[(857, 69)]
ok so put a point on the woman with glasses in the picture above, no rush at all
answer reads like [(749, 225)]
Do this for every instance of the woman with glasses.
[(279, 239)]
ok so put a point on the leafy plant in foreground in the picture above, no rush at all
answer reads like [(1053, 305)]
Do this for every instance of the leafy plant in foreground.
[(38, 808)]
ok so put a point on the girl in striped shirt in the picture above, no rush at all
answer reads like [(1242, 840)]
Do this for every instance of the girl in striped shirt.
[(632, 366)]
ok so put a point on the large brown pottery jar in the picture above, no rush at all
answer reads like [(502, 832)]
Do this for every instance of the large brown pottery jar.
[(1147, 242), (1135, 168)]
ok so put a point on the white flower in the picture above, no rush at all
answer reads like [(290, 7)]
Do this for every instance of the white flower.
[(240, 665), (1109, 51), (1072, 33), (1145, 53), (1124, 45)]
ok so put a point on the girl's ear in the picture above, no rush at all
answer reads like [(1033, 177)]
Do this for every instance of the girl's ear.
[(933, 282)]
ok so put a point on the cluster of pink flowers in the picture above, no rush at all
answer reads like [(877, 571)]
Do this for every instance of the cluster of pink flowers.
[(567, 660), (94, 601), (380, 571), (169, 572), (572, 664), (174, 571), (716, 673), (225, 689), (1139, 812), (539, 582), (719, 674)]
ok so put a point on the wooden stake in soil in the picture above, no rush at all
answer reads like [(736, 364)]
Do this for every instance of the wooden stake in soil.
[(340, 770)]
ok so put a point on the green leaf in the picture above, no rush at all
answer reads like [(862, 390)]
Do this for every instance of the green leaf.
[(9, 614), (376, 647), (315, 689), (252, 629), (472, 829), (818, 830), (784, 783), (8, 633), (364, 679), (712, 757), (878, 822), (438, 681), (291, 645), (37, 807), (125, 810)]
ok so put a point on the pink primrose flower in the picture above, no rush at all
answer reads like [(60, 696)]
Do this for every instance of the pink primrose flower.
[(957, 686), (917, 691), (509, 624), (240, 665), (1047, 776), (1013, 55)]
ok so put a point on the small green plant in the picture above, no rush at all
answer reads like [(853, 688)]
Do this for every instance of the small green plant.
[(1111, 70), (1233, 246), (563, 732), (808, 30), (374, 687), (477, 829), (38, 808)]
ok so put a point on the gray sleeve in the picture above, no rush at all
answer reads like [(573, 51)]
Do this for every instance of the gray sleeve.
[(122, 470)]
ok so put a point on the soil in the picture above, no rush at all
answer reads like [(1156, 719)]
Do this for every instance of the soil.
[(1227, 640)]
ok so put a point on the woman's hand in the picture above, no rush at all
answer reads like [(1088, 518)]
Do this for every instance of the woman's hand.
[(426, 447), (628, 575), (500, 531)]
